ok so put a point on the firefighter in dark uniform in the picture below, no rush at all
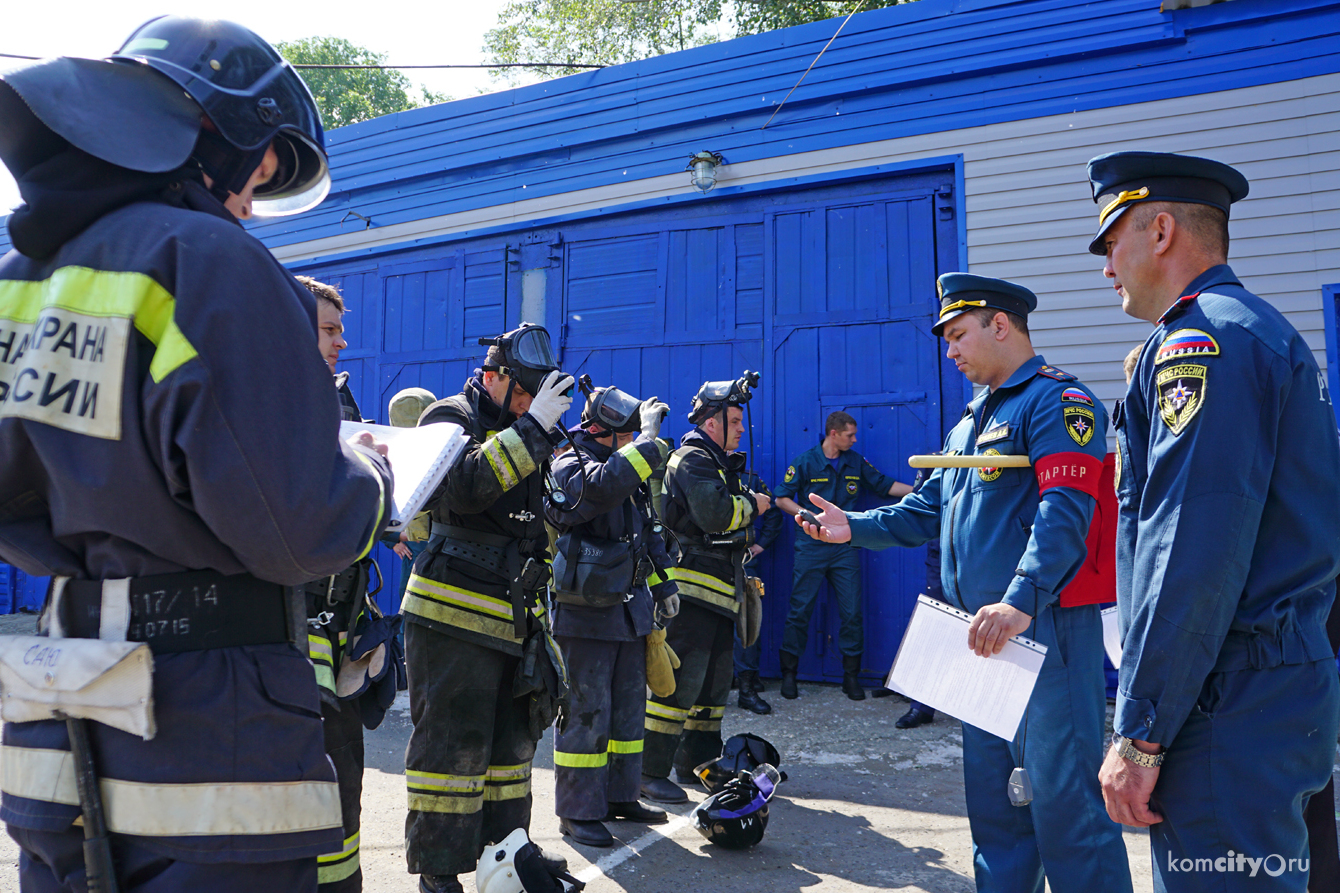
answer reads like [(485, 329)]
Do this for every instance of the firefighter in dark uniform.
[(838, 473), (1228, 546), (472, 604), (609, 549), (712, 516), (1012, 541), (334, 605), (187, 476)]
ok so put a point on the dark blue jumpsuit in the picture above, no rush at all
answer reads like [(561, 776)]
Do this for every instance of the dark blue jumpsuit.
[(598, 753), (205, 439), (1229, 487), (838, 563), (1016, 535)]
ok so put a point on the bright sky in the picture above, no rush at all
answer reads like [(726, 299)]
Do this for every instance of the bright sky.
[(409, 33)]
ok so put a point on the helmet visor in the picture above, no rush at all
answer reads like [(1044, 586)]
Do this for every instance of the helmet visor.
[(530, 347), (615, 410), (300, 182), (715, 391)]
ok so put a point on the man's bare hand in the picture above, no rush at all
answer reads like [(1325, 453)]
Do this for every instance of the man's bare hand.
[(833, 520), (755, 550), (993, 626), (365, 439), (402, 550), (1127, 789), (763, 501)]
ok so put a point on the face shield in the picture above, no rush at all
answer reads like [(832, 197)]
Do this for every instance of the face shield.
[(612, 409), (527, 356)]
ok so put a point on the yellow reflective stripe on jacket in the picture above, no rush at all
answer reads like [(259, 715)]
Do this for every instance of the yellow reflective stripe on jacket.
[(706, 588), (508, 457), (334, 867), (673, 462), (439, 792), (381, 505), (107, 294), (507, 782), (741, 511), (323, 660), (636, 460), (625, 746), (176, 810)]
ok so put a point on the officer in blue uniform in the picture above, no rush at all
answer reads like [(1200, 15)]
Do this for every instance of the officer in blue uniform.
[(1011, 539), (1229, 542), (835, 471), (189, 475)]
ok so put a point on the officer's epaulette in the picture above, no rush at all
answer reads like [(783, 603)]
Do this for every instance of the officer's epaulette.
[(1182, 305), (1058, 374)]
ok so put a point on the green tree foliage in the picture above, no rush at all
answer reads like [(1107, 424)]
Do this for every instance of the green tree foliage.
[(757, 16), (597, 32), (611, 32), (345, 95)]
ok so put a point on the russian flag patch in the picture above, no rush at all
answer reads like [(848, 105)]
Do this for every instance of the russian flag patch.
[(1187, 343), (1075, 395)]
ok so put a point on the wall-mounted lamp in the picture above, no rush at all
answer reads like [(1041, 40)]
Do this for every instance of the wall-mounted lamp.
[(703, 167)]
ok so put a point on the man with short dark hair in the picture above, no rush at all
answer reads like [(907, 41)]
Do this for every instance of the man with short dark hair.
[(1012, 540), (836, 472), (1228, 547)]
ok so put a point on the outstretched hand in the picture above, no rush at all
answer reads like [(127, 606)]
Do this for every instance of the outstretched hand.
[(832, 520)]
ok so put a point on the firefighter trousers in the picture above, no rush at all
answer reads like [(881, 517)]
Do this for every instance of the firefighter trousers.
[(598, 755), (342, 723), (684, 730), (467, 767)]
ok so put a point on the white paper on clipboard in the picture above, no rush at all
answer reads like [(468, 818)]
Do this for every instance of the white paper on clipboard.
[(419, 457), (1112, 636), (936, 667)]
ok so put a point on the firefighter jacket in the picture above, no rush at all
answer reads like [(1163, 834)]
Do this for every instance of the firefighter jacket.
[(1229, 493), (488, 527), (163, 409), (712, 515), (615, 507)]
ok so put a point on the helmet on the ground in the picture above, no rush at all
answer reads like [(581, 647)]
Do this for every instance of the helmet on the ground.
[(741, 753), (736, 816), (523, 355), (253, 99), (514, 866)]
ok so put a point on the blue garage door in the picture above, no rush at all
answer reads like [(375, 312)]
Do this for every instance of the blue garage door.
[(828, 291)]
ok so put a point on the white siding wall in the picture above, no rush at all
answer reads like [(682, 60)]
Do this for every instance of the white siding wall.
[(1030, 214)]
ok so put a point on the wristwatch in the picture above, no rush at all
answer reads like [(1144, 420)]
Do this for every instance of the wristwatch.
[(1128, 751)]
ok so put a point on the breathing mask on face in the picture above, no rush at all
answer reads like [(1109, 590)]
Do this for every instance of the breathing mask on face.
[(527, 356), (611, 410)]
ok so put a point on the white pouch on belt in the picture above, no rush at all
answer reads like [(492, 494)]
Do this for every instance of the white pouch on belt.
[(107, 680)]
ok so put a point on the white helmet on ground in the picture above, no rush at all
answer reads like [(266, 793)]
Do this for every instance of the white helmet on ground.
[(514, 866)]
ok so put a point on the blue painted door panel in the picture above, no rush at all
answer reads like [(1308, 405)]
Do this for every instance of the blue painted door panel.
[(828, 291)]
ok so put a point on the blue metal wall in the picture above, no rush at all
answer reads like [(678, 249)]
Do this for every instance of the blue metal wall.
[(828, 291)]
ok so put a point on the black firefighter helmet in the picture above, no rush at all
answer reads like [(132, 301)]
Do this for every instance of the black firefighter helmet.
[(736, 816), (253, 97), (524, 355), (142, 110)]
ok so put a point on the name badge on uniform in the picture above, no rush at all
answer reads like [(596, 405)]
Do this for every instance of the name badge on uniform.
[(1000, 432)]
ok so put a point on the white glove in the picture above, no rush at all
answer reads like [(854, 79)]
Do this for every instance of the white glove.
[(668, 607), (652, 412), (550, 404)]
